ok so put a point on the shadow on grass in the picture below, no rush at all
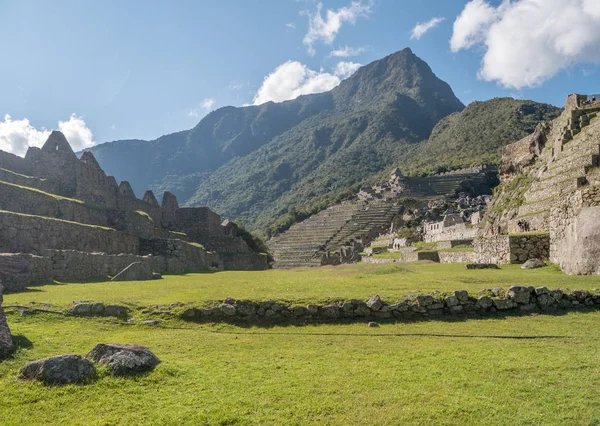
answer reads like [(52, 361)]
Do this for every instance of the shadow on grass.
[(22, 342)]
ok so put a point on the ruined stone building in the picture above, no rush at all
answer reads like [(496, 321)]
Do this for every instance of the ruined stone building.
[(62, 218), (548, 204)]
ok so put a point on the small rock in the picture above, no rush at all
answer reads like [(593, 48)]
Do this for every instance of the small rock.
[(150, 322), (375, 303), (532, 264), (124, 359), (156, 275), (451, 301), (373, 324), (62, 369), (425, 300), (462, 295), (485, 302), (228, 310), (116, 311)]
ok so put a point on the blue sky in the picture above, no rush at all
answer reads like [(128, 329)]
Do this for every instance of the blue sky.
[(141, 69)]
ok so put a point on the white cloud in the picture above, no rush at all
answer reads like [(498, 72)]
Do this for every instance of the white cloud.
[(202, 108), (326, 30), (292, 79), (345, 69), (236, 86), (471, 25), (18, 135), (528, 41), (77, 133), (346, 52), (291, 25), (422, 27)]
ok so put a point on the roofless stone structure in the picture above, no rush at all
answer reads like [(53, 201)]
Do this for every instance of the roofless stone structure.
[(62, 218)]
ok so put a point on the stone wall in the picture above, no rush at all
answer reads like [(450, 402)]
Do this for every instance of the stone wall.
[(507, 249), (19, 270), (93, 186), (516, 300), (20, 233), (15, 163), (456, 256), (26, 181), (575, 232)]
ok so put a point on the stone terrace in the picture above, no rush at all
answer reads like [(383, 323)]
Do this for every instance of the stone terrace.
[(62, 218)]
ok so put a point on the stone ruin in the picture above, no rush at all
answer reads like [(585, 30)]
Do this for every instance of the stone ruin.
[(62, 218), (548, 204)]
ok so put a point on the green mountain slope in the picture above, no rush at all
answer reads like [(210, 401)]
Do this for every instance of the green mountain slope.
[(253, 163), (477, 134)]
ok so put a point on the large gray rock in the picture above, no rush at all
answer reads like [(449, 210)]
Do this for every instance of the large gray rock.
[(6, 344), (123, 359), (580, 248), (62, 369), (137, 271), (533, 263)]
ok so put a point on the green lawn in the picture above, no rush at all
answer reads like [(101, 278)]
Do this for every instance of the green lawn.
[(324, 374), (454, 372), (303, 285)]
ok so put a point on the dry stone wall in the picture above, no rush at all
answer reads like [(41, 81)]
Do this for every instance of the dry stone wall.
[(20, 233), (515, 300), (507, 249)]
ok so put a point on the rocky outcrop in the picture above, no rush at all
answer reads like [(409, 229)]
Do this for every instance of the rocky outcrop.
[(137, 271), (62, 369), (124, 359), (6, 344)]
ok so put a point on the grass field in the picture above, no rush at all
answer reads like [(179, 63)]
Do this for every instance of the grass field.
[(304, 285), (457, 372)]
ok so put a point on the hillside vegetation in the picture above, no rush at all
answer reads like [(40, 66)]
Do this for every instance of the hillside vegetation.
[(253, 164)]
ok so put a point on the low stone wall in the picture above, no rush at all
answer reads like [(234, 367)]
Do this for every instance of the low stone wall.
[(19, 270), (20, 233), (456, 256), (515, 300), (507, 249), (453, 243), (376, 261)]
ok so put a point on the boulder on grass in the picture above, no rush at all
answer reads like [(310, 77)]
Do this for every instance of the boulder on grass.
[(6, 344), (533, 263), (62, 369), (123, 359), (137, 271)]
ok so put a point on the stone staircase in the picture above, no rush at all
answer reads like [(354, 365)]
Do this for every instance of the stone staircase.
[(305, 243)]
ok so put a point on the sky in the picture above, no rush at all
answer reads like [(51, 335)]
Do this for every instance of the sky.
[(103, 71)]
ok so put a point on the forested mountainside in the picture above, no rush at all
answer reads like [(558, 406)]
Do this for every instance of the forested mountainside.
[(254, 163)]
